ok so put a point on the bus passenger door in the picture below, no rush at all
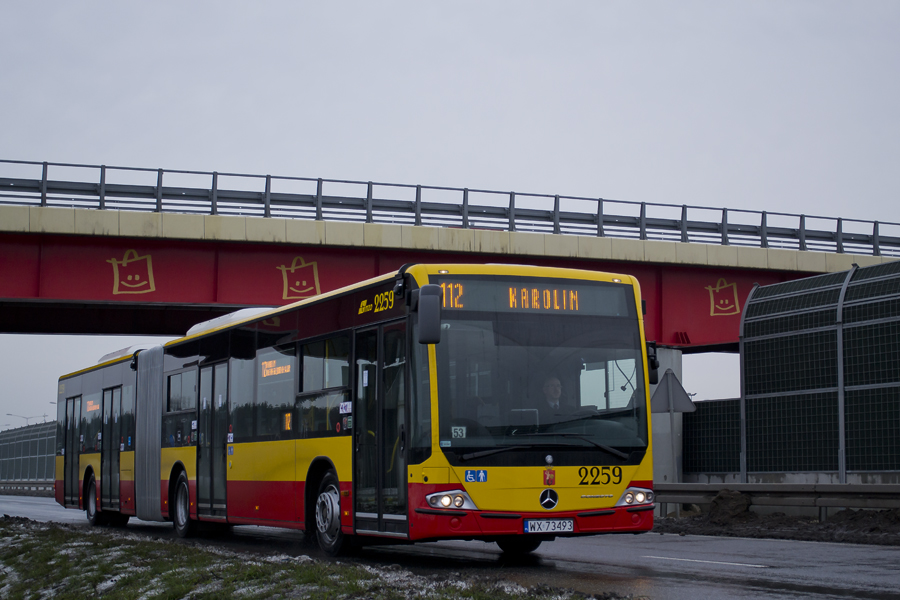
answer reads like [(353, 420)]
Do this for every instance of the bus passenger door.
[(72, 447), (110, 435), (117, 443), (212, 430), (380, 431), (105, 474)]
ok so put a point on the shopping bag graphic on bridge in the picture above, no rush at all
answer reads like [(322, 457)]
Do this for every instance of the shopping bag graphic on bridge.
[(723, 299), (133, 274), (301, 279)]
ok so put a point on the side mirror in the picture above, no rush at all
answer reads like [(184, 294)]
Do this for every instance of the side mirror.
[(652, 364), (429, 309)]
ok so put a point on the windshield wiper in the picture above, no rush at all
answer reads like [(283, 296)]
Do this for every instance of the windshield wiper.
[(603, 447), (482, 453), (599, 414)]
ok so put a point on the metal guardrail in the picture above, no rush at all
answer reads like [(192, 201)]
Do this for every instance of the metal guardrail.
[(819, 495), (27, 488), (96, 187)]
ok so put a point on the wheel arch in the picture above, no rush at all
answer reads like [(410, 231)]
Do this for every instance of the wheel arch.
[(317, 469)]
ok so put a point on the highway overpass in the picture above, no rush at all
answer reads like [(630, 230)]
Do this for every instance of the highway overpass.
[(81, 254)]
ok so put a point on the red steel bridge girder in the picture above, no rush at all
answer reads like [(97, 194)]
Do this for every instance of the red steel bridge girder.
[(93, 285)]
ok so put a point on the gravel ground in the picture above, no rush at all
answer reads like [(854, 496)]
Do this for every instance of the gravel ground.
[(729, 515)]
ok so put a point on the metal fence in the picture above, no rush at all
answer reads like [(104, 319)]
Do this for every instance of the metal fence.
[(27, 459), (212, 193), (820, 384), (712, 437)]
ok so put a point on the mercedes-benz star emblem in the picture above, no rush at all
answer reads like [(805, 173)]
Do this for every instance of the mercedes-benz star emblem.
[(549, 499)]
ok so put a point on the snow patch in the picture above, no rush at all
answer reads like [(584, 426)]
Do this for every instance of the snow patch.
[(11, 577), (107, 585)]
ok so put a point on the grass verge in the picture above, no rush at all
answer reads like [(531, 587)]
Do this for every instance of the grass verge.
[(46, 560)]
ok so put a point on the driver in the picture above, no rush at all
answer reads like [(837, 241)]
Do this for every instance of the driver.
[(551, 405), (552, 389)]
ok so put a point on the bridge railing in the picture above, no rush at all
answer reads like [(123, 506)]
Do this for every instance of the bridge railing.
[(200, 192)]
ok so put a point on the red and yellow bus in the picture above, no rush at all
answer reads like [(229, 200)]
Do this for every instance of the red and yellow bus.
[(409, 407)]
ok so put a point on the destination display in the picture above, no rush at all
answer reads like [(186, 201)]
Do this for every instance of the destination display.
[(275, 367), (529, 295)]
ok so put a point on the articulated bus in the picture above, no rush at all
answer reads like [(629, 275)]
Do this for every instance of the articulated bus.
[(409, 407)]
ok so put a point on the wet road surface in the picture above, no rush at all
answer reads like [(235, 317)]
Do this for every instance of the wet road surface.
[(661, 567)]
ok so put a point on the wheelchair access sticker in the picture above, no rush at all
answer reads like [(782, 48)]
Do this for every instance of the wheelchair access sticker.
[(476, 476)]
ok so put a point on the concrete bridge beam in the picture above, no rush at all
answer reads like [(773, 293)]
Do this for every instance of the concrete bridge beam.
[(178, 226)]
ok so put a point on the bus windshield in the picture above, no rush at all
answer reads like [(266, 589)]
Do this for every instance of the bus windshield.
[(521, 380)]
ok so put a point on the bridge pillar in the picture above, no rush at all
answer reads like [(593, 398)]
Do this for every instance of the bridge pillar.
[(669, 358)]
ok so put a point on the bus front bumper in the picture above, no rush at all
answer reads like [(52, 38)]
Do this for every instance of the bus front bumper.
[(431, 523)]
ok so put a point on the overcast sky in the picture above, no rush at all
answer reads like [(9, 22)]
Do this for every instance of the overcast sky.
[(778, 106)]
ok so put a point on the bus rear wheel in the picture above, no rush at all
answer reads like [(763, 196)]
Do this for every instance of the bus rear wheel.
[(328, 515), (184, 526), (517, 546), (94, 516)]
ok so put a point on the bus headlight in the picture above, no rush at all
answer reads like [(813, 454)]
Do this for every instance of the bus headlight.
[(634, 496), (451, 499)]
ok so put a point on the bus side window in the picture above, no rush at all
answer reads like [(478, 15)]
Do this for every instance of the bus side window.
[(324, 384), (240, 395), (326, 364), (276, 371), (181, 399), (320, 414)]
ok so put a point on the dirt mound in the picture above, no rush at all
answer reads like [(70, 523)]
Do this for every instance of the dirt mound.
[(867, 518), (729, 507), (9, 519), (730, 515)]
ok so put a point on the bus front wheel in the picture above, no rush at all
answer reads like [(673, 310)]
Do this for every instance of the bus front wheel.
[(119, 520), (328, 515), (517, 545), (184, 526)]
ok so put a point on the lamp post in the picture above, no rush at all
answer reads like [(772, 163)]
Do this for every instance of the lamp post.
[(26, 418)]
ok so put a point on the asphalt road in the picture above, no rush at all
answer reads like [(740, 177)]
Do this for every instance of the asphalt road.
[(661, 567)]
